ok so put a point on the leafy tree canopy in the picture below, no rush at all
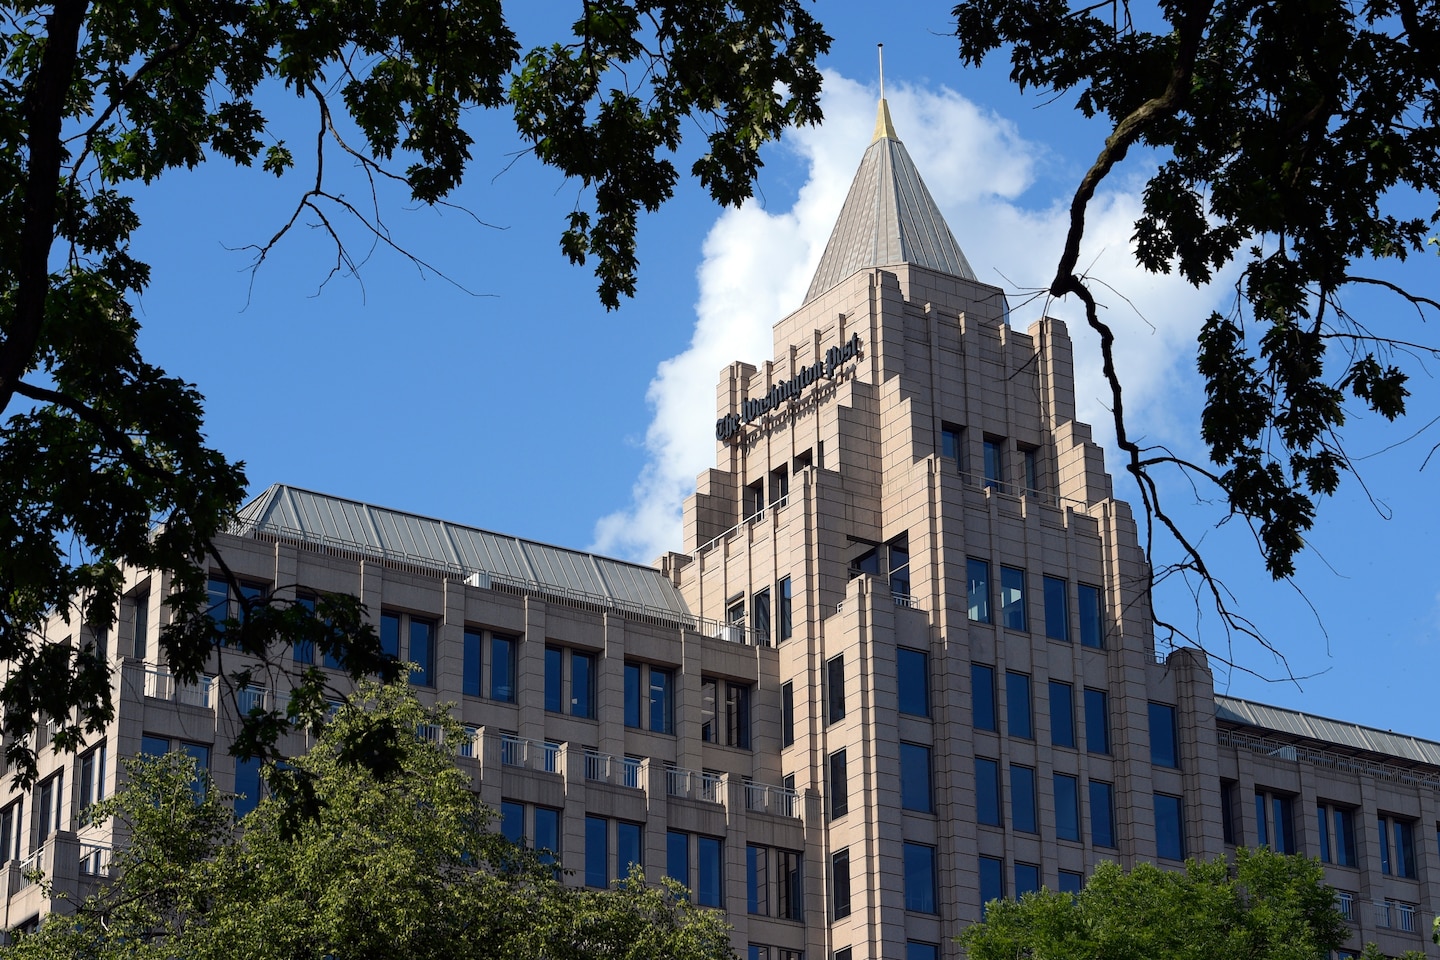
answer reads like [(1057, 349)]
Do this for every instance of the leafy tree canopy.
[(1294, 137), (404, 866), (97, 445), (1268, 907)]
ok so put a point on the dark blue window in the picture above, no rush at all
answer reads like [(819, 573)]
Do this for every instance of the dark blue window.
[(1102, 814), (302, 651), (1057, 609), (582, 684), (1027, 879), (1164, 745), (547, 830), (662, 701), (1012, 598), (1169, 827), (629, 846), (1017, 705), (512, 820), (633, 713), (1067, 807), (915, 792), (1097, 721), (1092, 627), (1062, 714), (919, 878), (992, 881), (247, 785), (470, 665), (710, 890), (987, 791), (839, 786), (422, 652), (390, 634), (554, 670), (982, 696), (1071, 882), (916, 950), (597, 851), (913, 670), (978, 575), (1022, 799), (677, 857), (502, 669)]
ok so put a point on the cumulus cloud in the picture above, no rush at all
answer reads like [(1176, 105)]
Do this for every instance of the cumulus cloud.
[(757, 264)]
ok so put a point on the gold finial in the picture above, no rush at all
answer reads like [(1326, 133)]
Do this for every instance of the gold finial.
[(883, 127)]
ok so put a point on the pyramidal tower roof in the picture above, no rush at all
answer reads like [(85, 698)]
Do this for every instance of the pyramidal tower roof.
[(888, 218)]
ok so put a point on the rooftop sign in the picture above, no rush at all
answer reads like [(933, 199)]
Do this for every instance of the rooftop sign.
[(787, 390)]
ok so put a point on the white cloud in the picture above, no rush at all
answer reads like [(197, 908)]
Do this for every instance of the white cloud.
[(758, 263)]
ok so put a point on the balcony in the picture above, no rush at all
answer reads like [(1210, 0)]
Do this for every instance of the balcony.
[(618, 771), (693, 785), (530, 754), (778, 801), (161, 685)]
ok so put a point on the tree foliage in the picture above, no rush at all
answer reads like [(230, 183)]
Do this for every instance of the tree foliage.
[(1293, 138), (403, 866), (1268, 907), (97, 99)]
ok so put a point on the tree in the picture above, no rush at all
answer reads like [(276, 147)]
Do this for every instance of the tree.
[(403, 866), (1292, 137), (1269, 907), (103, 461)]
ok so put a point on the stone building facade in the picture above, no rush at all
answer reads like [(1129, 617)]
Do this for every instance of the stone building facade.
[(902, 664)]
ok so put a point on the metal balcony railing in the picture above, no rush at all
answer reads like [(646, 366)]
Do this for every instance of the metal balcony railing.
[(764, 798), (693, 785), (161, 685), (620, 771), (94, 860), (531, 754)]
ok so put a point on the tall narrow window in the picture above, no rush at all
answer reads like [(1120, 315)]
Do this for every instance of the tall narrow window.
[(754, 506), (474, 641), (247, 785), (1275, 821), (1057, 609), (1062, 714), (12, 838), (1012, 598), (839, 786), (992, 881), (142, 623), (1092, 627), (1397, 847), (302, 651), (785, 624), (1022, 799), (1071, 882), (1164, 742), (987, 791), (582, 684), (919, 878), (912, 669), (629, 846), (597, 851), (677, 857), (915, 789), (787, 713), (1102, 813), (710, 859), (1229, 811), (982, 696), (1097, 721), (47, 811), (1033, 482), (840, 882), (897, 550), (760, 616), (633, 713), (789, 887), (757, 882), (952, 446), (835, 689), (1067, 807), (502, 668), (779, 486), (1338, 849), (1169, 827), (422, 652), (390, 634), (554, 679), (994, 463), (662, 700), (1017, 705), (978, 576), (547, 831), (1027, 878), (91, 778)]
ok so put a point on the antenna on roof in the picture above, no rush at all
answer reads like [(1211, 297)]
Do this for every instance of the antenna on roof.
[(880, 52)]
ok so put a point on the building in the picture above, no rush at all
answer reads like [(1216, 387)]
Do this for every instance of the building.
[(903, 663)]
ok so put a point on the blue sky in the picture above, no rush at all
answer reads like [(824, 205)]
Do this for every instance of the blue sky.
[(508, 398)]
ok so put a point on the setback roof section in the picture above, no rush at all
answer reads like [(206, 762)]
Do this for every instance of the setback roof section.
[(323, 520), (888, 218), (1322, 729)]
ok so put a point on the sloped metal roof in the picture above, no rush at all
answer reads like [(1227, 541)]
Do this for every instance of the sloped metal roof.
[(318, 518), (1325, 730), (888, 218)]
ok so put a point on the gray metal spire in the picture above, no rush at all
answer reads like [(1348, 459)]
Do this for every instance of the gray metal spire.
[(888, 218)]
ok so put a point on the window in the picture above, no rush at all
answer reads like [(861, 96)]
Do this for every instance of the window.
[(1397, 846), (1275, 821), (1012, 598), (982, 697), (897, 551), (247, 785), (1057, 609), (225, 605), (840, 882), (48, 797), (978, 575), (835, 689), (757, 882), (787, 714), (782, 591), (677, 857), (733, 727), (735, 615), (629, 847), (1229, 811), (1027, 878), (1337, 847), (502, 668), (1022, 799), (1062, 714), (571, 671), (1102, 813), (918, 950), (839, 786), (1097, 721), (987, 791), (302, 651), (1017, 705), (710, 861), (512, 821), (1169, 827), (1345, 904), (952, 445), (779, 486), (139, 603), (789, 879), (754, 506), (992, 881), (547, 831), (597, 851), (1071, 882), (787, 897), (915, 790), (845, 953), (1164, 743), (662, 700), (1033, 483), (649, 697), (760, 616), (1092, 628), (12, 839), (421, 652), (470, 681), (1067, 807), (912, 668), (919, 878), (994, 463), (90, 775)]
